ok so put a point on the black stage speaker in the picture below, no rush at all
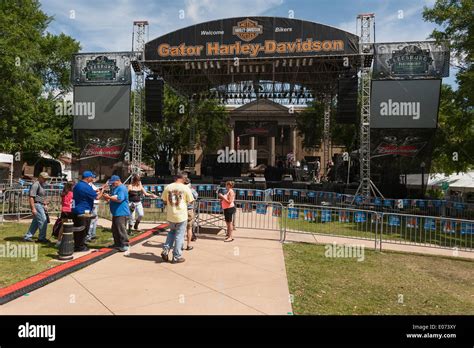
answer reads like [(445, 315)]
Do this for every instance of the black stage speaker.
[(154, 99), (347, 99)]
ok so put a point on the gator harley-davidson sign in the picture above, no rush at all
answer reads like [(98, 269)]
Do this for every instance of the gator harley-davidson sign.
[(251, 37)]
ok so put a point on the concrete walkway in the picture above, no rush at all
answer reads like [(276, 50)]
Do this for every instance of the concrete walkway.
[(246, 276)]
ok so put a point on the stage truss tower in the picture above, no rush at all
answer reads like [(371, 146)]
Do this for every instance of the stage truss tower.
[(367, 28), (140, 29)]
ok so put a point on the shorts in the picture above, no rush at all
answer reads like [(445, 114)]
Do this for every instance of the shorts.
[(229, 214), (190, 216)]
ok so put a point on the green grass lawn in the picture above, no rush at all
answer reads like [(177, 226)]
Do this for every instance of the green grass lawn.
[(15, 269), (366, 230), (384, 283)]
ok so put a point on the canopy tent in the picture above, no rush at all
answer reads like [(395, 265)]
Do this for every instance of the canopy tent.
[(6, 160), (463, 181)]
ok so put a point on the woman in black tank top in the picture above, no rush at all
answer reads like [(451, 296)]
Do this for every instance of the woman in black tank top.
[(135, 192)]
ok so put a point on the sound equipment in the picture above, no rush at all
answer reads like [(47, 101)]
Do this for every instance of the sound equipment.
[(154, 99), (347, 99)]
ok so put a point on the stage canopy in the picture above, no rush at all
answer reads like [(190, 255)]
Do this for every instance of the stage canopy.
[(255, 57)]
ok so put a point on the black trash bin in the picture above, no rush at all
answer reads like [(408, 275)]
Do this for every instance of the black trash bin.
[(66, 245), (82, 220)]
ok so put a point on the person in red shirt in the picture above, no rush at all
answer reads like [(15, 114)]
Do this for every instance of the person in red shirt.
[(66, 201), (227, 202)]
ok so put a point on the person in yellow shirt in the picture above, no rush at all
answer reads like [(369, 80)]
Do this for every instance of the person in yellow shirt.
[(176, 197)]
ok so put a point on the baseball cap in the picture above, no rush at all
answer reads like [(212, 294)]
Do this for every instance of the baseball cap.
[(88, 174), (43, 175), (113, 179)]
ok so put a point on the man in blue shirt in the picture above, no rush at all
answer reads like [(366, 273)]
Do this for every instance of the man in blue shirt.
[(83, 201), (118, 199)]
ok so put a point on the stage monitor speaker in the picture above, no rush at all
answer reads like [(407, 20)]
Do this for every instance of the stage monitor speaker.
[(154, 99), (347, 99)]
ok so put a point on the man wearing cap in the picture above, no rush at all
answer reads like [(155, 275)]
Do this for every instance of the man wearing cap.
[(118, 199), (38, 206), (83, 200), (176, 196)]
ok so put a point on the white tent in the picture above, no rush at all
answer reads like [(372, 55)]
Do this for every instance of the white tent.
[(8, 160), (463, 182)]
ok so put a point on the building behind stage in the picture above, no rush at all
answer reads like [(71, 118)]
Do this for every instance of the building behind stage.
[(267, 127)]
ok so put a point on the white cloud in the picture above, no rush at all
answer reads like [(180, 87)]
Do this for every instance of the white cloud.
[(204, 10), (390, 28)]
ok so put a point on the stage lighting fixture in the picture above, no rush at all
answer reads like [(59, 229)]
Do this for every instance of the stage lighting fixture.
[(205, 65), (277, 63), (218, 65), (303, 62), (250, 68), (199, 65), (192, 65), (310, 62), (186, 66), (244, 68), (298, 62), (284, 62), (263, 68), (211, 64)]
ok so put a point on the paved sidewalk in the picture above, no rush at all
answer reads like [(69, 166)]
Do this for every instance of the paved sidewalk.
[(246, 276)]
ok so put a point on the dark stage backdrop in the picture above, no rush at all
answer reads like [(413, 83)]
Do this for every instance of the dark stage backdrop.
[(111, 107), (404, 103)]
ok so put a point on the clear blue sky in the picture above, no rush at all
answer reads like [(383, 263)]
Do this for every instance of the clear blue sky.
[(102, 25)]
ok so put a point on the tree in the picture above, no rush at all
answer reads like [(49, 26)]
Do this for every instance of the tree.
[(185, 126), (310, 125), (454, 140), (454, 148), (456, 18), (35, 69)]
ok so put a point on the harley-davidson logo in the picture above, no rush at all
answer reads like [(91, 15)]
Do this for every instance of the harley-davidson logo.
[(247, 30)]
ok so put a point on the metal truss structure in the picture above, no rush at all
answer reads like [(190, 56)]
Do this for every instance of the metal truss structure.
[(326, 131), (367, 27), (140, 29)]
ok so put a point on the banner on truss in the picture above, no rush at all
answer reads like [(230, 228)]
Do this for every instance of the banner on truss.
[(411, 60)]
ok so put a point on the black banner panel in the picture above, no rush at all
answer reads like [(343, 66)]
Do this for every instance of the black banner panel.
[(347, 93), (407, 60), (102, 107), (109, 144), (154, 99), (251, 37), (401, 151), (105, 68), (404, 104)]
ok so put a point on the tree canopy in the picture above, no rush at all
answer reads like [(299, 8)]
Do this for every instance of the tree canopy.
[(35, 74), (454, 146), (186, 126)]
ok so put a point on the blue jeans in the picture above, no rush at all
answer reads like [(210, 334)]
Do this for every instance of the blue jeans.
[(175, 237), (136, 208), (39, 221), (93, 226)]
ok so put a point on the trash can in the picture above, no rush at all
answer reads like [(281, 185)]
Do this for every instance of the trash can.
[(66, 246), (84, 221)]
